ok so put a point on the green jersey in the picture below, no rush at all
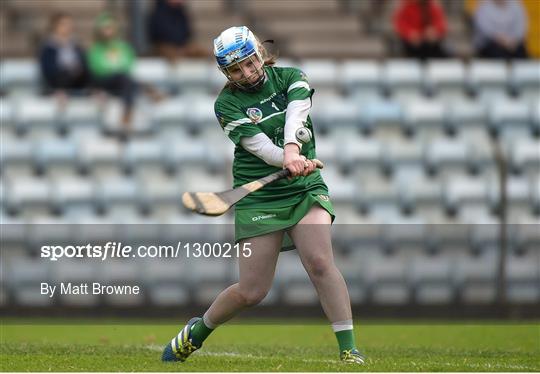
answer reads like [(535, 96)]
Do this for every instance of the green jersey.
[(243, 113)]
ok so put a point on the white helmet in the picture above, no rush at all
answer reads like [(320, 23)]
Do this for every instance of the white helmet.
[(233, 46)]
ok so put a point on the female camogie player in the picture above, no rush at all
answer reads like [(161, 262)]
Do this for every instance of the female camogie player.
[(261, 109)]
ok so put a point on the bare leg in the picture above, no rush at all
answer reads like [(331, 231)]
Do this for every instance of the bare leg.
[(313, 242), (256, 275)]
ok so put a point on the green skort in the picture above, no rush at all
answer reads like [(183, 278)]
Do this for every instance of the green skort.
[(255, 222)]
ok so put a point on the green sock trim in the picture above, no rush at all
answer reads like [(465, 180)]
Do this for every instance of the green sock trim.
[(199, 332), (345, 340)]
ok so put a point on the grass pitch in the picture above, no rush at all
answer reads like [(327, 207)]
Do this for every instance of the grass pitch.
[(91, 345)]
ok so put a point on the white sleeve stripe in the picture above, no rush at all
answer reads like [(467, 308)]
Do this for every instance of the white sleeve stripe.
[(234, 124), (298, 84)]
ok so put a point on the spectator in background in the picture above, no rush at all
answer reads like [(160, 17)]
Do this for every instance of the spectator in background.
[(421, 26), (111, 60), (170, 31), (500, 29), (62, 60)]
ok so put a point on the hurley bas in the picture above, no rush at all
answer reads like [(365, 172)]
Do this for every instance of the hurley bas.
[(95, 288)]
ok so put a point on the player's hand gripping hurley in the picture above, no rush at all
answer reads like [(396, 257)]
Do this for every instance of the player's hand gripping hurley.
[(217, 203)]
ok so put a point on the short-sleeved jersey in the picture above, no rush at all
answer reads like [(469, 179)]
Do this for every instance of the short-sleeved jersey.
[(245, 114)]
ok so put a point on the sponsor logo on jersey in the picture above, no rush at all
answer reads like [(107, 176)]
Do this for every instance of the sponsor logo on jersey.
[(254, 114), (268, 98), (323, 197), (258, 218)]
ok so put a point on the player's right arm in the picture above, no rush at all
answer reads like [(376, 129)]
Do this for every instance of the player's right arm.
[(241, 131)]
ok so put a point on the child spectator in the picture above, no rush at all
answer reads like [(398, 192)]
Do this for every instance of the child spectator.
[(111, 61)]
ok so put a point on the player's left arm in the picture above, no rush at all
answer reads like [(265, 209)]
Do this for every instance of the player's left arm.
[(298, 105)]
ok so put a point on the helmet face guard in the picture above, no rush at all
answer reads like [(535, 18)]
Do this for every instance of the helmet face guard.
[(232, 47), (252, 82)]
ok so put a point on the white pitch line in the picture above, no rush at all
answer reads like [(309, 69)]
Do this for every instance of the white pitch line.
[(240, 355), (158, 348)]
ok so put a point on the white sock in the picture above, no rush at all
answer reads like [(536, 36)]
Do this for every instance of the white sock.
[(208, 323), (342, 325)]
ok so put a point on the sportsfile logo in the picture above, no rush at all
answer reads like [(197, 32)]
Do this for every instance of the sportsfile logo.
[(258, 218)]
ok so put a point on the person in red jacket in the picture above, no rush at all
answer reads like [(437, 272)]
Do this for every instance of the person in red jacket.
[(421, 26)]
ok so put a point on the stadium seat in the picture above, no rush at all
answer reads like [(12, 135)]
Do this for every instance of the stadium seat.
[(201, 113), (519, 197), (484, 236), (475, 277), (403, 78), (40, 114), (29, 194), (525, 79), (16, 156), (321, 74), (461, 193), (217, 80), (360, 153), (293, 281), (378, 196), (183, 152), (464, 115), (73, 194), (331, 112), (488, 79), (143, 156), (98, 155), (161, 193), (407, 235), (402, 158), (424, 117), (55, 156), (327, 148), (509, 118), (25, 285), (166, 280), (443, 155), (112, 192), (523, 277), (194, 179), (352, 269), (341, 188), (169, 116), (6, 112), (15, 73), (380, 113), (432, 278), (81, 118), (420, 194), (447, 235), (208, 276), (154, 71), (445, 78), (387, 277), (525, 156), (192, 75), (481, 152), (360, 78)]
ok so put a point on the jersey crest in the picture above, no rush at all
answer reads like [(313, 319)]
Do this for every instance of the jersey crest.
[(254, 114)]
